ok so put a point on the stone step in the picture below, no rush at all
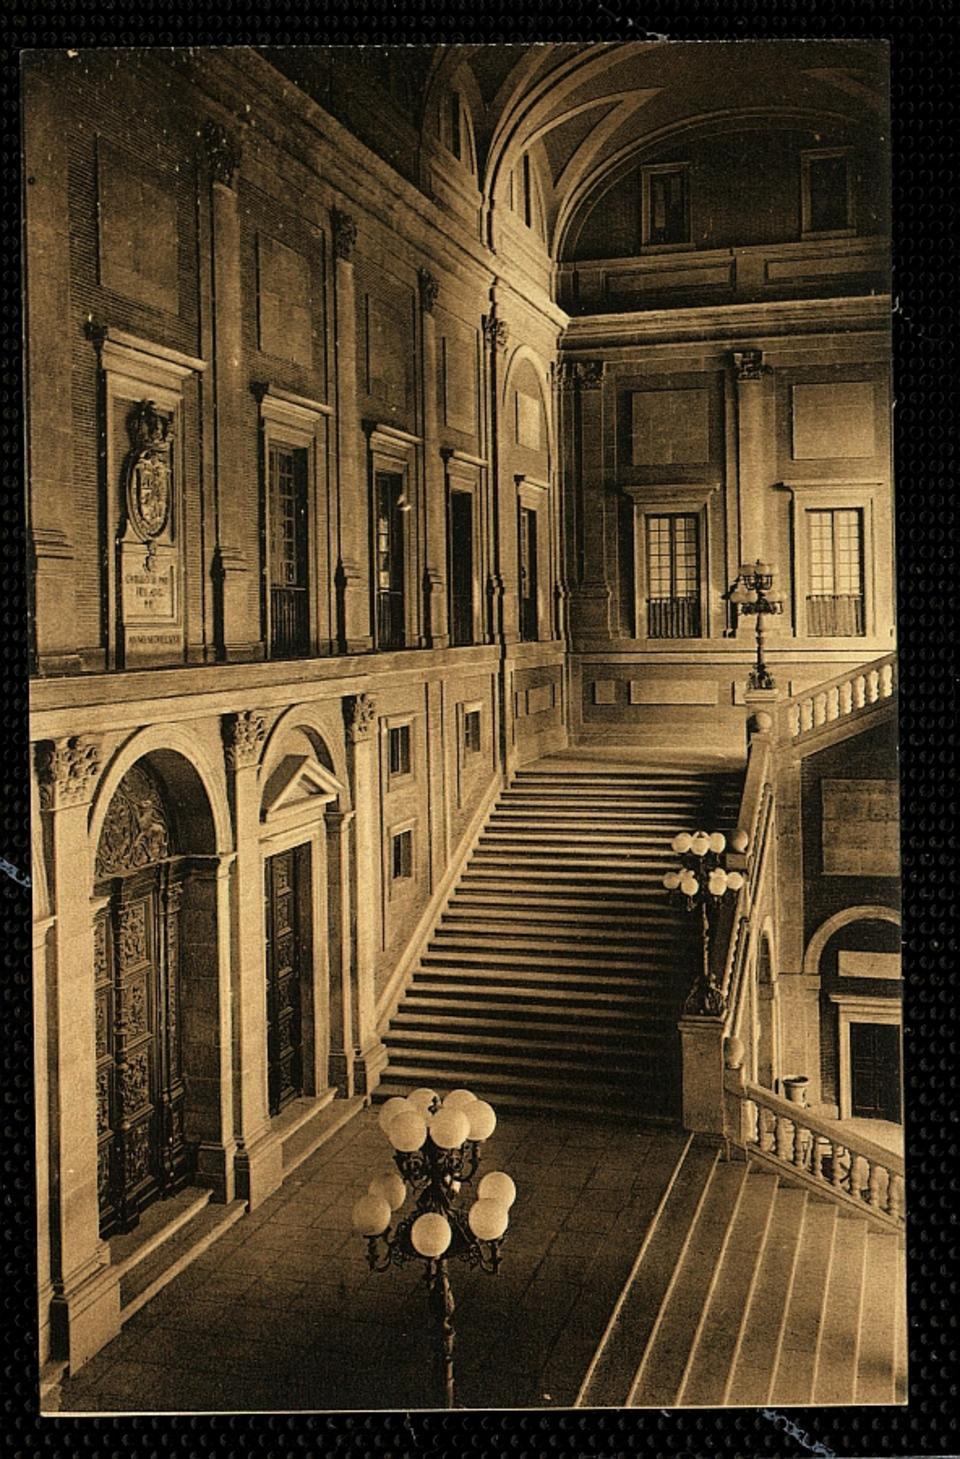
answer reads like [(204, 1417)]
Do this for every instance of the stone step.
[(532, 1019), (658, 1107), (804, 1318), (836, 1376), (149, 1270), (661, 1371), (496, 1052), (754, 1360), (877, 1358), (469, 911), (507, 861), (613, 1369), (536, 953), (634, 997), (712, 1356), (466, 970), (475, 931)]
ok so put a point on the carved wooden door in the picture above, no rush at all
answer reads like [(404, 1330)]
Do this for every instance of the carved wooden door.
[(140, 1092), (288, 954), (875, 1071)]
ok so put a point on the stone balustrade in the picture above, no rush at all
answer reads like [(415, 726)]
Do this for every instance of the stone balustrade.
[(848, 695)]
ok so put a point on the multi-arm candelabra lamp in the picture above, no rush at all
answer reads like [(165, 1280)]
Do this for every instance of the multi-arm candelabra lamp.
[(749, 593), (436, 1149), (702, 883)]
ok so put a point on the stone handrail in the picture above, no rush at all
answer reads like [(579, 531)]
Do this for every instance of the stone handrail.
[(843, 698), (824, 1156)]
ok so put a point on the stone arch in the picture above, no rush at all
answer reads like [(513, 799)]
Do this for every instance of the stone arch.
[(525, 353), (865, 913), (322, 725)]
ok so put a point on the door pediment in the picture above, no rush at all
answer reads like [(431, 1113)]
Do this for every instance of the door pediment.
[(297, 791)]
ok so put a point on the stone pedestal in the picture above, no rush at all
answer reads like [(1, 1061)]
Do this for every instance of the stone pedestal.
[(701, 1044)]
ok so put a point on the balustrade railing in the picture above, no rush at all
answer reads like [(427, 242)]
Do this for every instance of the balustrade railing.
[(790, 1137), (844, 697)]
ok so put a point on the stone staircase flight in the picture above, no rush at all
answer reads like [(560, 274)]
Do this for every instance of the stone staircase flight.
[(556, 974)]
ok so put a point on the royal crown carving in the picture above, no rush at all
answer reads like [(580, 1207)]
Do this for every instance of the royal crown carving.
[(359, 712), (148, 473), (429, 290), (344, 234), (243, 737), (223, 152), (67, 770)]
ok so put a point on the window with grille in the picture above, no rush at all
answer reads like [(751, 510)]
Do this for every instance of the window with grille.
[(666, 210), (835, 606), (389, 550), (471, 731), (400, 749), (673, 576), (401, 856), (289, 578), (529, 624)]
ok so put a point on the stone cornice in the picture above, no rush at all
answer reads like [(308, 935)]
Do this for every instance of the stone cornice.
[(709, 323)]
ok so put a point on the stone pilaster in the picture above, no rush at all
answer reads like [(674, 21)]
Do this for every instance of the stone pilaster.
[(259, 1157), (360, 716), (755, 469), (436, 568), (85, 1305), (590, 598), (236, 577), (207, 1022), (354, 632), (340, 948), (502, 595)]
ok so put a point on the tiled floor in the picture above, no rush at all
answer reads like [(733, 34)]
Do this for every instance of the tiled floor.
[(284, 1314)]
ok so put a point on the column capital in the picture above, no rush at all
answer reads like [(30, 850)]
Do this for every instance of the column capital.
[(67, 770), (429, 289), (222, 152), (496, 332), (748, 365), (344, 234), (359, 713), (243, 737), (587, 374)]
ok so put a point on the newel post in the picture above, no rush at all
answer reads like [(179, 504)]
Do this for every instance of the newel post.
[(701, 1054)]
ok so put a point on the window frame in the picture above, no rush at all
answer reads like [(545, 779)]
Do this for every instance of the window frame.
[(393, 452), (834, 496), (672, 518), (534, 496), (666, 500), (647, 174), (389, 725), (463, 478), (817, 154), (399, 886)]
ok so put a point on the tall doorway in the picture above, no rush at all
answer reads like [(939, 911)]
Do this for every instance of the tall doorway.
[(875, 1071), (289, 957), (142, 1153)]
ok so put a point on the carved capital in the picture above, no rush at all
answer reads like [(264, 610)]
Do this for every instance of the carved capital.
[(344, 234), (67, 770), (222, 151), (359, 713), (496, 332), (748, 365), (585, 374), (243, 737), (429, 289)]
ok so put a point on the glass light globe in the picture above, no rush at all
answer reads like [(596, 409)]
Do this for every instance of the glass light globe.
[(482, 1118), (734, 881), (390, 1188), (450, 1128), (488, 1220), (422, 1099), (430, 1234), (700, 843), (672, 880), (717, 842), (717, 882), (458, 1098), (407, 1131), (371, 1215), (389, 1111), (689, 884), (681, 842), (739, 841), (497, 1186)]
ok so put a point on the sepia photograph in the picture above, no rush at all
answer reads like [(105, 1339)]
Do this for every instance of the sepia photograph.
[(464, 727)]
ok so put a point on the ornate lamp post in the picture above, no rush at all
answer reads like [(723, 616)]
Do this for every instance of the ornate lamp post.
[(702, 882), (749, 593), (436, 1146)]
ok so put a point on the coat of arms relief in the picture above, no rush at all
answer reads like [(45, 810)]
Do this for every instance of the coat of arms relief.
[(149, 475)]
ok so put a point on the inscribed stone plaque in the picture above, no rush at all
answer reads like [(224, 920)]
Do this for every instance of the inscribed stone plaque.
[(833, 421), (528, 421), (139, 242), (673, 691), (861, 828), (283, 302), (671, 427), (868, 964), (458, 385), (604, 691)]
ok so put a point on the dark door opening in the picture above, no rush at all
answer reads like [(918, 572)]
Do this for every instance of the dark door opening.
[(529, 625), (875, 1071), (389, 549), (288, 956), (461, 567), (289, 558)]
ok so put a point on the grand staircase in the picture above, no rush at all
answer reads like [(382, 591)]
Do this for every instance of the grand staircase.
[(556, 975), (748, 1291)]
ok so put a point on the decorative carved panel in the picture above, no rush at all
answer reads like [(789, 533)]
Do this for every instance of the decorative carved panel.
[(136, 830), (139, 241), (861, 828), (284, 310), (834, 421), (671, 427)]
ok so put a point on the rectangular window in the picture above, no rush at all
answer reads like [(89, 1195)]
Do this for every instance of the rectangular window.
[(461, 567), (529, 624), (673, 576), (835, 607), (389, 550), (471, 731), (401, 856), (288, 551), (666, 206), (826, 198), (399, 747)]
